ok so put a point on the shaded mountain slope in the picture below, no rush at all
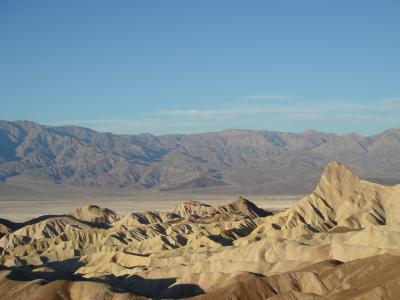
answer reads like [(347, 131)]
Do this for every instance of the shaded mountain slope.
[(340, 200), (263, 161)]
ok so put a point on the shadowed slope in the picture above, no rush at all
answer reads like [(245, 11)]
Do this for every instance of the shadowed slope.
[(340, 200), (230, 160), (371, 278), (342, 240)]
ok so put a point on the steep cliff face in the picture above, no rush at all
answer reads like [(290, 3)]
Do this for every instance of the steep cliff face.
[(340, 199)]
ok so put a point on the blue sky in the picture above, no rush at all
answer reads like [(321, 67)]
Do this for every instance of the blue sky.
[(194, 66)]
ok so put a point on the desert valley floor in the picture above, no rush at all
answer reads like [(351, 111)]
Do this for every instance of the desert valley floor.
[(21, 204), (342, 241)]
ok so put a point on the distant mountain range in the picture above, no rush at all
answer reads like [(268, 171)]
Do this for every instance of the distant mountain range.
[(265, 161)]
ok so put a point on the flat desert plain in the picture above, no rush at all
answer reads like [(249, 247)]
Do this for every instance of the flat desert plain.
[(24, 201)]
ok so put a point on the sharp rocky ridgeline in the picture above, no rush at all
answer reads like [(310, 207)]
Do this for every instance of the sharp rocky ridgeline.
[(342, 241)]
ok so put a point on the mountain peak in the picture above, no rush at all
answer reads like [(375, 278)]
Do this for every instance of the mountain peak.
[(245, 160), (337, 181), (311, 132), (245, 207), (334, 165), (95, 214), (334, 168)]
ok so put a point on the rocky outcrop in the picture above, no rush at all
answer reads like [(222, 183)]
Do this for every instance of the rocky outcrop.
[(340, 242)]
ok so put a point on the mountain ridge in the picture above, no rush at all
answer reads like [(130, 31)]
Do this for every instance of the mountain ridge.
[(341, 241), (267, 161)]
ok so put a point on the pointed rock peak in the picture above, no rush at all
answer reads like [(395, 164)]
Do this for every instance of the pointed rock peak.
[(334, 164), (241, 199), (95, 214), (338, 176), (242, 202), (244, 206), (335, 168)]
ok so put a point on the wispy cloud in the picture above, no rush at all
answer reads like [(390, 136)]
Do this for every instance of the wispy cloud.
[(235, 111), (332, 115), (269, 97)]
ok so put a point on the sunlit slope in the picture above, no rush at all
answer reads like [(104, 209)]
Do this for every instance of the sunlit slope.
[(234, 161), (342, 240)]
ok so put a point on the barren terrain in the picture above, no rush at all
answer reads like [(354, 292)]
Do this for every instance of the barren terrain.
[(21, 204), (230, 161), (339, 242)]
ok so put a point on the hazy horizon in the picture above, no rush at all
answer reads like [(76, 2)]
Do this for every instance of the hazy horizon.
[(186, 67), (206, 150), (60, 124)]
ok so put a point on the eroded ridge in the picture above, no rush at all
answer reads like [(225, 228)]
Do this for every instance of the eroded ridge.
[(340, 242)]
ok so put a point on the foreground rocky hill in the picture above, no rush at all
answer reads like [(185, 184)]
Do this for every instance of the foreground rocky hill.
[(340, 242), (260, 161)]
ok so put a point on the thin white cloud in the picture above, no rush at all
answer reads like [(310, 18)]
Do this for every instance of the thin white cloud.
[(235, 111), (269, 97), (188, 112), (333, 115), (387, 105)]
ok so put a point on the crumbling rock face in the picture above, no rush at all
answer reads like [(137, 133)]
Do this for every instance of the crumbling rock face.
[(340, 242), (95, 214)]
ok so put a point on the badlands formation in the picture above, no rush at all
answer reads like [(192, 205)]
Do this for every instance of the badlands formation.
[(340, 242)]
